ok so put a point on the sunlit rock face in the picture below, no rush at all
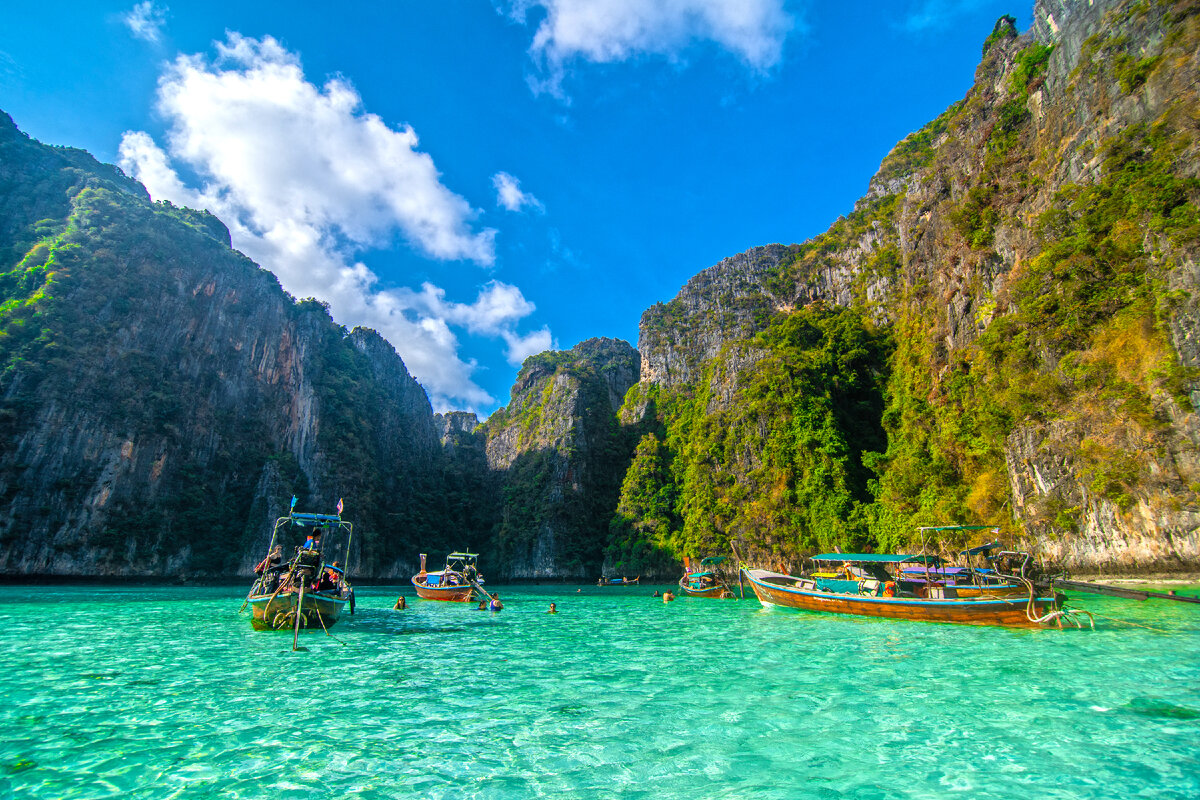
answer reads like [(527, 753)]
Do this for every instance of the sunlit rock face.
[(962, 219), (558, 453)]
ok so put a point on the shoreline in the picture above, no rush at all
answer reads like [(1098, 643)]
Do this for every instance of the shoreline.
[(1166, 578)]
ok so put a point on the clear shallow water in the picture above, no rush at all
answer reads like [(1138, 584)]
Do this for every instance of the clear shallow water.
[(167, 692)]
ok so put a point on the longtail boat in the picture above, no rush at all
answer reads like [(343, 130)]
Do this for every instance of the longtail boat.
[(704, 579), (622, 581), (457, 582), (309, 589), (866, 588)]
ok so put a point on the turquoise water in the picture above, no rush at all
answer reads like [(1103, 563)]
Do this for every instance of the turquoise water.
[(167, 692)]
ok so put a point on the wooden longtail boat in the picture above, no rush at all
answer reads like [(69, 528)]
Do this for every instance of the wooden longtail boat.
[(881, 595), (457, 582), (309, 590), (622, 581), (705, 580)]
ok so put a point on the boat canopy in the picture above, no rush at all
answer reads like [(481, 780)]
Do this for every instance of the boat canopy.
[(877, 558), (937, 570), (983, 548), (960, 528), (712, 561), (461, 556)]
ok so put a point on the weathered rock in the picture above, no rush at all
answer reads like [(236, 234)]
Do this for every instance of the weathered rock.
[(559, 454)]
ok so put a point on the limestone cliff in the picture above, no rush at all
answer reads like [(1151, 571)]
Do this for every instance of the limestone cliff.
[(162, 397), (1030, 256), (559, 452)]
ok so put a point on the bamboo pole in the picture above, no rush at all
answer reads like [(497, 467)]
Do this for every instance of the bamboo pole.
[(299, 615)]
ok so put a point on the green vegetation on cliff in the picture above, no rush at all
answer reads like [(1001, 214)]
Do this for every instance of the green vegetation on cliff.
[(559, 454), (1032, 312), (772, 453)]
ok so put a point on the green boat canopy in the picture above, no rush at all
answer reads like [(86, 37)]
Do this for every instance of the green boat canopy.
[(876, 558)]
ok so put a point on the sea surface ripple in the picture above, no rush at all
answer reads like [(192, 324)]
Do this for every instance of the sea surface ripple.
[(167, 692)]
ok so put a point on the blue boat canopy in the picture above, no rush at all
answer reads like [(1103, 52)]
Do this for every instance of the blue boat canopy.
[(983, 548), (315, 520), (712, 561), (877, 558)]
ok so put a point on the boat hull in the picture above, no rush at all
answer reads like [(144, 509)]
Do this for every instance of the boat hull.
[(272, 612), (454, 594), (717, 592), (1006, 611)]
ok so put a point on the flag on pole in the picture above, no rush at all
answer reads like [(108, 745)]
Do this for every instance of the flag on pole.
[(339, 506)]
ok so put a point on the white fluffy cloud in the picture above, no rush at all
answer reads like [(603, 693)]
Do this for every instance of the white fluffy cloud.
[(304, 178), (146, 20), (494, 313), (605, 31), (510, 196)]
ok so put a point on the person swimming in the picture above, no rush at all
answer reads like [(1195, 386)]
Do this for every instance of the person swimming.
[(552, 610)]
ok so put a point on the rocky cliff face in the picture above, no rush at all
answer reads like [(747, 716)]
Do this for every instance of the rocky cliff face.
[(1032, 255), (558, 454), (162, 397)]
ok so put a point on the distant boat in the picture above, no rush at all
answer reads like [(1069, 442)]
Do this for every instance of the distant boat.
[(866, 588), (705, 580), (458, 581), (618, 581), (309, 588)]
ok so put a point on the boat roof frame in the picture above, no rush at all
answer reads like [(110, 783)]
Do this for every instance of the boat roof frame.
[(876, 558), (327, 522)]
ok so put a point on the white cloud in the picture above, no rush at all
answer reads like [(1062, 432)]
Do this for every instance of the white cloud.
[(305, 179), (510, 196), (606, 31), (522, 347), (495, 312), (146, 21)]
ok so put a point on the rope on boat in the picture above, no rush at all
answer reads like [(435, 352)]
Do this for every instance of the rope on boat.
[(1057, 615), (282, 584), (321, 620)]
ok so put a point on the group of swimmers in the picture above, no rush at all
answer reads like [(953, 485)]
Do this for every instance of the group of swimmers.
[(491, 604)]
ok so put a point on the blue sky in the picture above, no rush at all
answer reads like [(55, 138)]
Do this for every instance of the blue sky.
[(480, 180)]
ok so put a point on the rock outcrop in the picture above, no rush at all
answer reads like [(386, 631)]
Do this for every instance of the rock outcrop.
[(558, 453)]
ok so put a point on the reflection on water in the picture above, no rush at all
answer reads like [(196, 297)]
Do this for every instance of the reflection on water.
[(167, 692)]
